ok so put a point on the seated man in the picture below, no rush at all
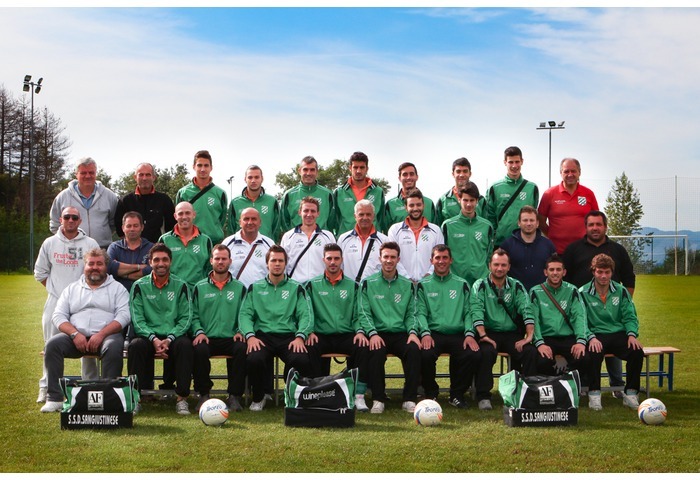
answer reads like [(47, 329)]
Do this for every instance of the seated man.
[(336, 330), (90, 316), (276, 320), (560, 322), (613, 327), (216, 302), (502, 317), (443, 313), (160, 313), (387, 316)]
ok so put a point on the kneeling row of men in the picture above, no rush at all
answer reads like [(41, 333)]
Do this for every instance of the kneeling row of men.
[(385, 314)]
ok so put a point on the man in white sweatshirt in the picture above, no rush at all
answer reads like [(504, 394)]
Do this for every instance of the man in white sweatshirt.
[(90, 315), (59, 263)]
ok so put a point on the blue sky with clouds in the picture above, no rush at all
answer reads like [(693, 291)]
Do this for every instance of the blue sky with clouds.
[(426, 85)]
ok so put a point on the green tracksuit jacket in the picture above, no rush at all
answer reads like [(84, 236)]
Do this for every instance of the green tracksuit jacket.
[(211, 209), (215, 312), (442, 305), (549, 322), (281, 309), (617, 314), (470, 240), (448, 207), (496, 198), (334, 306), (289, 207), (267, 207), (191, 262), (497, 316), (387, 306), (345, 207), (159, 312), (395, 211)]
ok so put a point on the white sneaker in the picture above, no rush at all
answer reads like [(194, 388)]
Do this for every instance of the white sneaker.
[(258, 406), (631, 400), (360, 404), (409, 406), (50, 406), (42, 395), (182, 408), (377, 407), (594, 402), (137, 408), (485, 404)]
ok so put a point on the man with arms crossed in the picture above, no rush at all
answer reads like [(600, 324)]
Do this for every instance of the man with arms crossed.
[(129, 256)]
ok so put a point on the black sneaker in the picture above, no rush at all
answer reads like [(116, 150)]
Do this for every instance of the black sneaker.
[(234, 403), (458, 402)]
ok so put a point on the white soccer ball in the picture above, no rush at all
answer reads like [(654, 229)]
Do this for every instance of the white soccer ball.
[(213, 412), (652, 411), (428, 413)]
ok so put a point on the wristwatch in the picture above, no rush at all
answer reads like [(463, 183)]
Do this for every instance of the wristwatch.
[(74, 334)]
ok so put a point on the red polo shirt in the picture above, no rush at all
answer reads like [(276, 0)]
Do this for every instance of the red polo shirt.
[(565, 213)]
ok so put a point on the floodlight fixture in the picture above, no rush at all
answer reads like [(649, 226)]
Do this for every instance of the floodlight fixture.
[(27, 78), (25, 88), (552, 123), (560, 125), (543, 124)]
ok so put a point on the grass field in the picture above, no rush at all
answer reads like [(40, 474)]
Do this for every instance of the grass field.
[(467, 441)]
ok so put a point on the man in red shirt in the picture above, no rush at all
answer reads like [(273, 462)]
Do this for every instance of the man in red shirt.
[(564, 206)]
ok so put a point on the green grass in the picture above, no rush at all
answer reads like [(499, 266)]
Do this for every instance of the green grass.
[(467, 441)]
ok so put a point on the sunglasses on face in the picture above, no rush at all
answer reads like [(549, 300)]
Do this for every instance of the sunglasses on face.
[(71, 217)]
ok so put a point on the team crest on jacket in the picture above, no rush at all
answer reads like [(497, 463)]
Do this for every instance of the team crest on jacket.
[(370, 198), (563, 304), (424, 237), (258, 253), (195, 249), (317, 242), (453, 294), (582, 201), (522, 196), (230, 295), (210, 201), (343, 294), (478, 235), (264, 210), (506, 297), (397, 298), (285, 294), (171, 296), (616, 301)]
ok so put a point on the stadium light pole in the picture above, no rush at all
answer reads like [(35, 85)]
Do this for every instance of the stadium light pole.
[(34, 87), (551, 125), (230, 182)]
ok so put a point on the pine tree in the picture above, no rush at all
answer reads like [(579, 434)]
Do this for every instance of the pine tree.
[(624, 211)]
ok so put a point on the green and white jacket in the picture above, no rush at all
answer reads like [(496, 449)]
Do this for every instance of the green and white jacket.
[(215, 311), (443, 305), (157, 312), (387, 306), (616, 314), (549, 322)]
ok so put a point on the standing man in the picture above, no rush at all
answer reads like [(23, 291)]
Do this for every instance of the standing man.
[(564, 206), (95, 203), (160, 312), (276, 320), (309, 187), (59, 263), (443, 315), (253, 195), (189, 246), (395, 209), (416, 236), (304, 243), (90, 316), (528, 249), (216, 302), (156, 208), (361, 244), (129, 256), (448, 205), (507, 196), (560, 322), (502, 317), (469, 236), (614, 328), (387, 315), (336, 328), (208, 200), (358, 187), (248, 249), (577, 258)]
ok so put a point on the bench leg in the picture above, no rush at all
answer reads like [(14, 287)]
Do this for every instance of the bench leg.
[(670, 372), (661, 370)]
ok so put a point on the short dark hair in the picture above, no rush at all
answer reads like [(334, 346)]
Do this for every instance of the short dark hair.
[(461, 162), (469, 189), (390, 246), (309, 199), (132, 214), (219, 246), (253, 167), (358, 157), (412, 193), (595, 213), (332, 247), (276, 249), (602, 261), (159, 247), (512, 152), (554, 258), (406, 165), (527, 209), (440, 247), (500, 252), (309, 159), (203, 154)]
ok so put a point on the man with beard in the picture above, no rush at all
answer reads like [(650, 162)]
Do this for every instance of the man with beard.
[(395, 209)]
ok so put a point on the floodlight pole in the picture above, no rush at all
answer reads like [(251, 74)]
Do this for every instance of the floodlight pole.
[(230, 182), (551, 125), (35, 87)]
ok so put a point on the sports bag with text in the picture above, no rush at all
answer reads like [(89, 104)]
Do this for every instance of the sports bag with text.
[(540, 392), (322, 401), (107, 395)]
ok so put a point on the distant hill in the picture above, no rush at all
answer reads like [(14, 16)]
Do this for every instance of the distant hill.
[(663, 244)]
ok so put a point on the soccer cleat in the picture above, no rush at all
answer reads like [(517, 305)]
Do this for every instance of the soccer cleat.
[(360, 404), (409, 406), (458, 402), (594, 402), (617, 394), (234, 403), (258, 406), (50, 406), (377, 407), (202, 399), (631, 399), (42, 395), (485, 404), (182, 408)]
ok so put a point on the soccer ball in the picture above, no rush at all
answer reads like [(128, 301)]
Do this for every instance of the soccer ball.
[(428, 413), (652, 411), (213, 412)]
